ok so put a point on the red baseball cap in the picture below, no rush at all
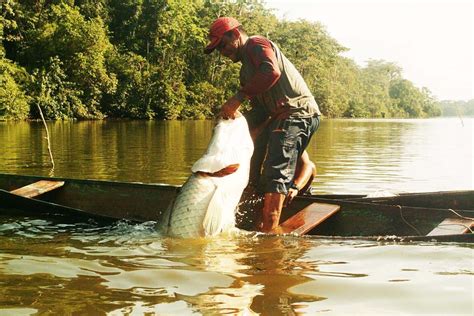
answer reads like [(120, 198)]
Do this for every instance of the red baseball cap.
[(217, 30)]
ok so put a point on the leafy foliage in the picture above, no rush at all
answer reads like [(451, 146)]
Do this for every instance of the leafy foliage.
[(14, 102), (144, 59), (58, 98)]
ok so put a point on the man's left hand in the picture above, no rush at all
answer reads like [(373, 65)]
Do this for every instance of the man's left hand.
[(291, 195)]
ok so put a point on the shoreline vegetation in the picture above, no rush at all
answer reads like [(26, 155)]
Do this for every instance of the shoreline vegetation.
[(138, 59)]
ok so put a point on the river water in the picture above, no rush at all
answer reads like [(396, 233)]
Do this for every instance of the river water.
[(58, 268)]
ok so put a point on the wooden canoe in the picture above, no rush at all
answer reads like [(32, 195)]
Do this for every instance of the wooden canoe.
[(440, 216)]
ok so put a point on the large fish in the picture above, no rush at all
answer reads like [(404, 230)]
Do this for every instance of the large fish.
[(206, 203)]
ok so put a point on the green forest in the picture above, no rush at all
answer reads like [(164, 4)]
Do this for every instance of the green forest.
[(457, 108), (143, 59)]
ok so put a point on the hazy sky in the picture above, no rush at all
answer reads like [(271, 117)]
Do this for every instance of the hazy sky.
[(432, 40)]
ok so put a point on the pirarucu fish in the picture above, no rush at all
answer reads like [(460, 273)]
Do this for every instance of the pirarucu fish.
[(206, 203)]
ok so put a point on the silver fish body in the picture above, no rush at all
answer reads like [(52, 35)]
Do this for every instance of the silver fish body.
[(205, 205)]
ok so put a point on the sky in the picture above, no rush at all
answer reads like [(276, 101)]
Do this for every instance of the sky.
[(431, 40)]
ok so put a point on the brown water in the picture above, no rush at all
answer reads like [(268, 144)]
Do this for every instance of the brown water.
[(58, 268)]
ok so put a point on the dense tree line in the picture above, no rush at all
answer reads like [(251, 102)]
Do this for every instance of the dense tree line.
[(457, 108), (144, 59)]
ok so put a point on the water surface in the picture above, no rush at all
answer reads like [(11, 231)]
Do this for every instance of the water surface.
[(53, 267), (130, 269), (352, 156)]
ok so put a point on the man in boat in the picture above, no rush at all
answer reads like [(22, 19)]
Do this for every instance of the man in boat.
[(278, 94)]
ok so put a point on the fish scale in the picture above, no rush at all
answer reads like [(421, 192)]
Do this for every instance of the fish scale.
[(195, 196)]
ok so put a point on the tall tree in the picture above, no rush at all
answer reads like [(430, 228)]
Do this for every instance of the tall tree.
[(315, 55), (81, 45)]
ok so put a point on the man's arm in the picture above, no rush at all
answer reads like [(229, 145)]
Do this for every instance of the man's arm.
[(262, 56)]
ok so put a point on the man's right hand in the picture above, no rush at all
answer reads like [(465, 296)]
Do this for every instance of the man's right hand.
[(229, 109)]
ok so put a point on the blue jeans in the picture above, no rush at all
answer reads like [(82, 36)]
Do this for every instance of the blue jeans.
[(279, 147)]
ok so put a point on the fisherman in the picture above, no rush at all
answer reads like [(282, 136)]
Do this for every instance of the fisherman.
[(277, 93)]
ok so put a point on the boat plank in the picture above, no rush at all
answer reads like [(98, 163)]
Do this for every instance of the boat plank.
[(38, 188), (308, 218), (452, 226)]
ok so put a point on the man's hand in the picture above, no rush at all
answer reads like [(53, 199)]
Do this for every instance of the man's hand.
[(229, 109), (291, 195), (221, 173)]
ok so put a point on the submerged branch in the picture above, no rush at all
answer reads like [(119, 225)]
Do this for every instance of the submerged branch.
[(47, 137)]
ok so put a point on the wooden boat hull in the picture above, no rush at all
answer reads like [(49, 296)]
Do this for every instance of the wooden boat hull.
[(409, 216), (357, 218), (108, 199), (457, 200)]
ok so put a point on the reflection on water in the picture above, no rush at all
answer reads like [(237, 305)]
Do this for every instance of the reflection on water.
[(352, 156), (129, 269), (48, 267), (365, 156), (145, 151), (409, 277)]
